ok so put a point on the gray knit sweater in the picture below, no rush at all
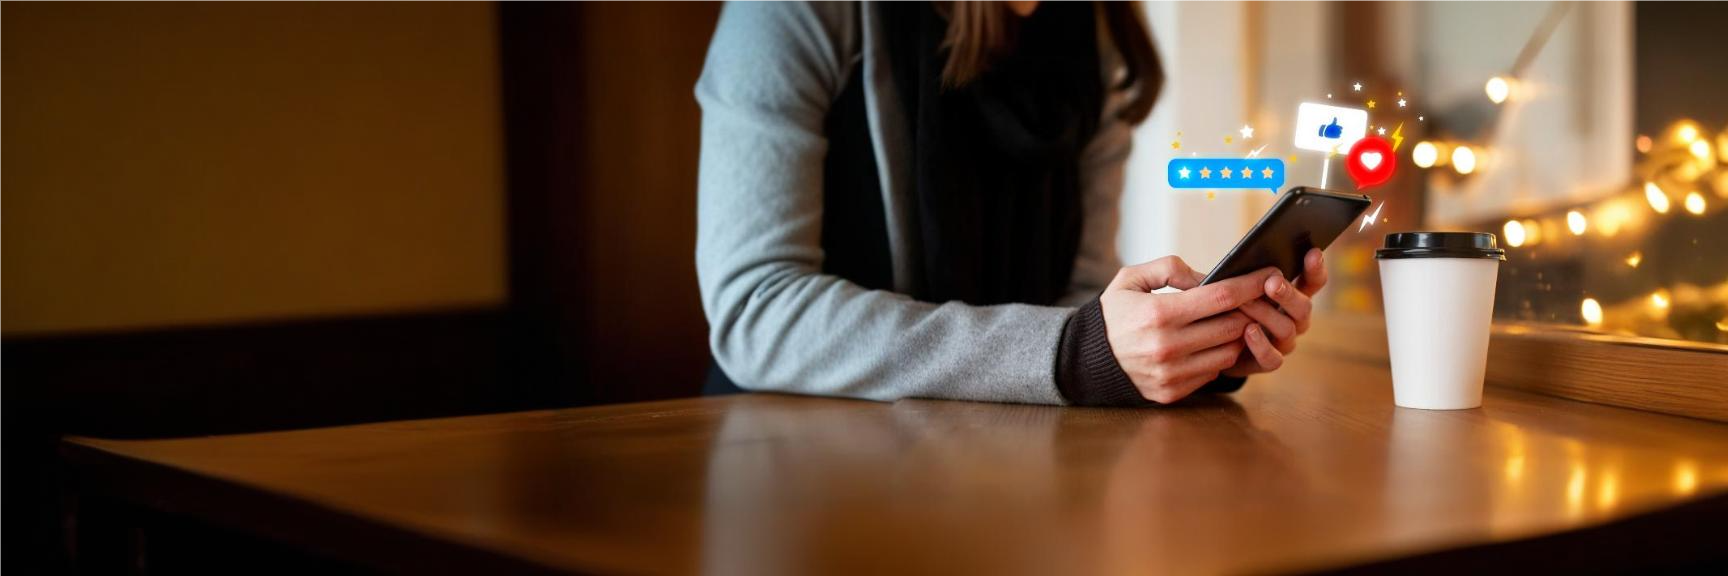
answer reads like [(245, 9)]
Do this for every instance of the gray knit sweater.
[(776, 322)]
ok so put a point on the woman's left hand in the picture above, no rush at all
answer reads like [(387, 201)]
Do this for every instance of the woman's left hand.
[(1272, 335)]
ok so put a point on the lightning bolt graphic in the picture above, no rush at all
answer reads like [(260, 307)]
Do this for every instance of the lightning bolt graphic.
[(1369, 219), (1397, 137), (1256, 152)]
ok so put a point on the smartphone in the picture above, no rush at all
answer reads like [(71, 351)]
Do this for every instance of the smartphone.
[(1303, 218)]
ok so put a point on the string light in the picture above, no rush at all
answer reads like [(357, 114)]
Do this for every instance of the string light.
[(1498, 89), (1576, 223), (1686, 133), (1659, 301), (1695, 202), (1656, 197), (1700, 149), (1634, 258), (1643, 144), (1592, 312), (1424, 154), (1464, 160), (1514, 233)]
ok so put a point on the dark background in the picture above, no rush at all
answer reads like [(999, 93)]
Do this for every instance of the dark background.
[(600, 144)]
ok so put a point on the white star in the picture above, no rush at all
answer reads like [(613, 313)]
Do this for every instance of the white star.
[(1184, 173), (1246, 131), (1400, 102), (1418, 118), (1328, 96), (1382, 130), (1357, 86)]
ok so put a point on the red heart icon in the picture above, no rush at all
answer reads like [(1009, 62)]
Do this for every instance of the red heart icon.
[(1371, 162)]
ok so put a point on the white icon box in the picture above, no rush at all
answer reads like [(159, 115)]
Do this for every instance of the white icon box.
[(1322, 128)]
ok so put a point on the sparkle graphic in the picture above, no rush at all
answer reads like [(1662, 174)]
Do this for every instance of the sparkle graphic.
[(1369, 219), (1246, 131), (1381, 131), (1401, 102), (1357, 86), (1226, 139), (1210, 194), (1370, 104)]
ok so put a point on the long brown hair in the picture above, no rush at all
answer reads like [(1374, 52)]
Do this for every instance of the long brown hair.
[(980, 31)]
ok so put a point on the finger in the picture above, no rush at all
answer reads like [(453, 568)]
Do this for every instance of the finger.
[(1313, 272), (1211, 360), (1296, 304), (1275, 321), (1264, 352), (1187, 387), (1217, 298), (1208, 333), (1166, 271)]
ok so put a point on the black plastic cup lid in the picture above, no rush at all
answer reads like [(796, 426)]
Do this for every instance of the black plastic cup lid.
[(1441, 245)]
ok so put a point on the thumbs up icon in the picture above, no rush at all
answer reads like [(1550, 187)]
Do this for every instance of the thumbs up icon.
[(1333, 130)]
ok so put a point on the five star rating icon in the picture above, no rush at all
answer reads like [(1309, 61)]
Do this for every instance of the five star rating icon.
[(1223, 173)]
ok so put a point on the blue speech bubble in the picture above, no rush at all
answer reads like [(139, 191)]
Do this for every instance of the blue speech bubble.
[(1220, 173)]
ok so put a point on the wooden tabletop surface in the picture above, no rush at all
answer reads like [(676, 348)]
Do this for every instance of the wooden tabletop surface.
[(1311, 468)]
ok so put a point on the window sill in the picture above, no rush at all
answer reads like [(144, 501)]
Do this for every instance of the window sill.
[(1668, 376)]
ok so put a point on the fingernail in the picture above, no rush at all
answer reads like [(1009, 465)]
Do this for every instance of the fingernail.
[(1275, 285), (1254, 331)]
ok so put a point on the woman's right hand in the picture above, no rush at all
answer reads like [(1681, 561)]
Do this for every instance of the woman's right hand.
[(1172, 344)]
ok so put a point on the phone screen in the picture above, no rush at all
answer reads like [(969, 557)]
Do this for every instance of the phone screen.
[(1303, 218)]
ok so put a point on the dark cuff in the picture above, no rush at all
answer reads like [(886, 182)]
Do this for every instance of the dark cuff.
[(1086, 370)]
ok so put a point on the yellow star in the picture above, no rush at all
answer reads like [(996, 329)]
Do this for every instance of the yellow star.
[(1175, 144), (1210, 194), (1205, 173), (1226, 173), (1370, 104), (1226, 139), (1267, 173), (1247, 174)]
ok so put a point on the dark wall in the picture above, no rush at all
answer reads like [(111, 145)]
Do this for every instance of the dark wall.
[(600, 153), (603, 133)]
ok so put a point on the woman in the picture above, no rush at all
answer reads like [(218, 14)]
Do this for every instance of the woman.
[(920, 200)]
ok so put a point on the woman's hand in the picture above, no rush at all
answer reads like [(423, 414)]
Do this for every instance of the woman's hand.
[(1171, 344), (1272, 335)]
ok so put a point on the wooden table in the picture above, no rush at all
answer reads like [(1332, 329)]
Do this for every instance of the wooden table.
[(1308, 469)]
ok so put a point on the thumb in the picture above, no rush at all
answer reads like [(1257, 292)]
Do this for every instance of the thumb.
[(1167, 271)]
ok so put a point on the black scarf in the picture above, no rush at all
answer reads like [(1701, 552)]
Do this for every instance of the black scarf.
[(996, 163)]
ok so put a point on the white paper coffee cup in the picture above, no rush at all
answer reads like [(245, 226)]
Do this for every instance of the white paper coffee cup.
[(1439, 294)]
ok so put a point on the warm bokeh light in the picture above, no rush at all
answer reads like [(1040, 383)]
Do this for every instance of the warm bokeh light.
[(1464, 160), (1498, 89), (1610, 216), (1592, 312), (1686, 132), (1575, 490), (1576, 223), (1607, 490), (1701, 150), (1656, 197), (1643, 143), (1424, 154), (1685, 477), (1694, 202), (1514, 233), (1659, 300), (1634, 259)]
